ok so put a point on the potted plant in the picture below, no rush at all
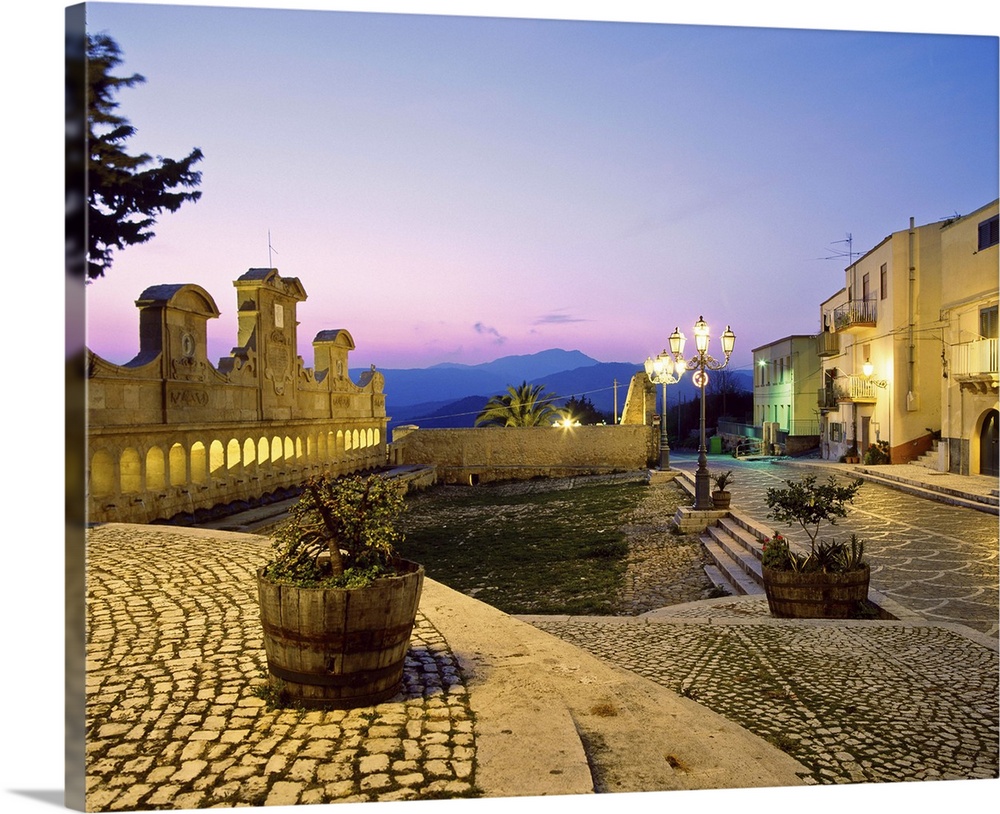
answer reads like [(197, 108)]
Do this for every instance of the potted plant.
[(831, 581), (337, 604), (852, 456), (721, 498)]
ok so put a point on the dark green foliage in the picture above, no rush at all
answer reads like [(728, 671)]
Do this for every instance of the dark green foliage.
[(809, 504), (878, 453), (525, 406), (125, 192), (584, 411), (341, 533), (828, 557)]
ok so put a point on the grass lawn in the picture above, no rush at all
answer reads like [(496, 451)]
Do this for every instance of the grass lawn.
[(525, 548)]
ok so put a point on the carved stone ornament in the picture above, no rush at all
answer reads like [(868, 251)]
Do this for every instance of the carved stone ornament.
[(278, 367), (188, 369)]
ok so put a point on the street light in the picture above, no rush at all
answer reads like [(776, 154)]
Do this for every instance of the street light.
[(663, 370), (700, 363)]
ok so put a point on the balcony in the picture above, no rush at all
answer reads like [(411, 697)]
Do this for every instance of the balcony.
[(827, 344), (975, 363), (854, 315), (827, 400), (857, 389)]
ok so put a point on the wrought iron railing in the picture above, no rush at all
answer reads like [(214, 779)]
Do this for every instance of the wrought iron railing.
[(855, 313)]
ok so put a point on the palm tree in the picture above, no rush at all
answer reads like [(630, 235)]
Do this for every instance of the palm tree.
[(523, 406)]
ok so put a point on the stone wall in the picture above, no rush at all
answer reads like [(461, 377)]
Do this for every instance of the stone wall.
[(489, 454), (170, 434)]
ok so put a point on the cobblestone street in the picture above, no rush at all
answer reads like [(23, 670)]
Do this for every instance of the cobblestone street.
[(174, 713)]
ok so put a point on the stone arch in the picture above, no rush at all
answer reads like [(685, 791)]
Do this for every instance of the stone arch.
[(298, 448), (289, 449), (199, 462), (276, 449), (156, 474), (216, 457), (343, 441), (233, 458), (321, 446), (130, 471), (102, 473), (263, 451), (355, 439), (378, 436), (249, 452), (177, 464)]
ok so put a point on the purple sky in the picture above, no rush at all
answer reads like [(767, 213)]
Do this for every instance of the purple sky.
[(458, 189)]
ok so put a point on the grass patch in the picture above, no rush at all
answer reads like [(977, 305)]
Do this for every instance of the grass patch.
[(525, 551)]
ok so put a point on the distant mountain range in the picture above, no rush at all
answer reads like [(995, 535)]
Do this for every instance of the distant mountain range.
[(452, 395)]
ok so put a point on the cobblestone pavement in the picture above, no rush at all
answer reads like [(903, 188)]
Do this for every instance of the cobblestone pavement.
[(854, 702), (938, 560), (174, 714)]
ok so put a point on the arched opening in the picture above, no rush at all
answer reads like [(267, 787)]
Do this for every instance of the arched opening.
[(199, 463), (131, 471), (263, 451), (216, 457), (249, 452), (347, 440), (232, 454), (178, 465), (102, 474), (155, 470), (989, 451), (276, 452)]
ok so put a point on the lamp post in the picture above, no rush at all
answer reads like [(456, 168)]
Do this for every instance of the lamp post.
[(663, 370), (700, 363)]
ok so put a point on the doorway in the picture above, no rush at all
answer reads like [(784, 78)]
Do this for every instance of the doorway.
[(989, 448)]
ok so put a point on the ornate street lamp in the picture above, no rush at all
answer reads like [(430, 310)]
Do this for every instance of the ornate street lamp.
[(663, 370), (700, 363)]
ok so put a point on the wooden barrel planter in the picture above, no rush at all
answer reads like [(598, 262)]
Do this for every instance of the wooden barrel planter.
[(339, 648), (815, 595)]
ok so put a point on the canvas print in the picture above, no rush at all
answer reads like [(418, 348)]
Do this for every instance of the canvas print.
[(478, 408)]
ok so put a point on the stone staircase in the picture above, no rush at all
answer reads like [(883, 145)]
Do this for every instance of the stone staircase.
[(734, 547), (930, 459)]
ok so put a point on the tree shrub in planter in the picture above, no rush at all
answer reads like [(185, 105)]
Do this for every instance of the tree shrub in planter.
[(832, 580), (337, 604), (721, 498)]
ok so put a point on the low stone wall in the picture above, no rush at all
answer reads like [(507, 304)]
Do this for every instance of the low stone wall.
[(489, 454)]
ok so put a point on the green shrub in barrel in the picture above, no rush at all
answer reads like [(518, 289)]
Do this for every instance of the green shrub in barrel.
[(337, 604), (831, 580)]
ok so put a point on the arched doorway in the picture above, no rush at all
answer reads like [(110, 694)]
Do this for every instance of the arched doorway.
[(989, 449)]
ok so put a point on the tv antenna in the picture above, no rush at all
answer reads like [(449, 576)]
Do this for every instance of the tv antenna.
[(840, 253), (270, 248)]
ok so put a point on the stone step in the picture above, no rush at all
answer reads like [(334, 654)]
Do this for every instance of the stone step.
[(737, 580), (735, 549)]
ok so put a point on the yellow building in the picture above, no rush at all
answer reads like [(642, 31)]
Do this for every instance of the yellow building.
[(888, 339), (969, 337), (787, 376)]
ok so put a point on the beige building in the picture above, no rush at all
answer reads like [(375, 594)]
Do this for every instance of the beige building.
[(888, 339), (787, 375), (969, 337)]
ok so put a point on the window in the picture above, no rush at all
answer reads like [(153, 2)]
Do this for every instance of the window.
[(989, 233), (866, 287), (835, 431), (883, 281), (988, 323)]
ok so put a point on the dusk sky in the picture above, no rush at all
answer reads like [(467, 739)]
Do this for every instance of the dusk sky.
[(456, 189)]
